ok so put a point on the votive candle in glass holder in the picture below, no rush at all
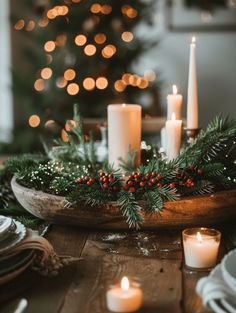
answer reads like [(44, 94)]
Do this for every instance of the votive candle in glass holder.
[(201, 246), (126, 296)]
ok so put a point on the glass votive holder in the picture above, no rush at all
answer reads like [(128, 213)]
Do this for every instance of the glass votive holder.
[(125, 295), (201, 246)]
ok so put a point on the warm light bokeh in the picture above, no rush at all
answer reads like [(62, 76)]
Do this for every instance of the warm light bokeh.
[(101, 83), (100, 38), (49, 46), (73, 89), (127, 36), (69, 74), (39, 84), (46, 73), (89, 83), (90, 50), (34, 121), (80, 40)]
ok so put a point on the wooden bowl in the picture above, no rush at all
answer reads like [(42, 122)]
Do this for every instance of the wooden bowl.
[(190, 211)]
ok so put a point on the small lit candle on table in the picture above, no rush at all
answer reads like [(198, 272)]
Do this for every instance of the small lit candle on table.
[(124, 297), (174, 104), (201, 246), (173, 137)]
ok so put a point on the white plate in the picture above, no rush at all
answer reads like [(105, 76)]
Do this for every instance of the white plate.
[(229, 269)]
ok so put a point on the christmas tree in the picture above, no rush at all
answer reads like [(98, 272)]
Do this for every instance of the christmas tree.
[(81, 52)]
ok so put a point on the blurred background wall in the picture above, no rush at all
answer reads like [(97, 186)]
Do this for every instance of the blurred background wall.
[(216, 59)]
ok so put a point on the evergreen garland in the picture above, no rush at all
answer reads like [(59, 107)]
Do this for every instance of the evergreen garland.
[(206, 165)]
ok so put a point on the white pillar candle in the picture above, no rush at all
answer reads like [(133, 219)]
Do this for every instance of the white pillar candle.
[(124, 297), (124, 132), (173, 137), (174, 104), (192, 103), (201, 247)]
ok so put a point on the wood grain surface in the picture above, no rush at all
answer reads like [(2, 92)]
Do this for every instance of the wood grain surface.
[(155, 257)]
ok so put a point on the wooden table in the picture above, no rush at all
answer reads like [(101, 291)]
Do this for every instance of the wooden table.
[(154, 257)]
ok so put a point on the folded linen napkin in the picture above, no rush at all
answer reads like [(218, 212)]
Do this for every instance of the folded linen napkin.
[(46, 261), (216, 293)]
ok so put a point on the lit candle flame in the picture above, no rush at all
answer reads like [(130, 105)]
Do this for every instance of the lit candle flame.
[(123, 105), (193, 39), (125, 283), (175, 89), (199, 237), (173, 117)]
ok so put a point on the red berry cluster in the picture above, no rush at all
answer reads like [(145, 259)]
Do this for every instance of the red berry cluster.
[(108, 181), (189, 183), (86, 180), (137, 180)]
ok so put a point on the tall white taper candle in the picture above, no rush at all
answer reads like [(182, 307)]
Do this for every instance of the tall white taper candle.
[(192, 104), (124, 132)]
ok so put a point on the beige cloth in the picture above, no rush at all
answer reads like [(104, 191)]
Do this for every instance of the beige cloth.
[(46, 262)]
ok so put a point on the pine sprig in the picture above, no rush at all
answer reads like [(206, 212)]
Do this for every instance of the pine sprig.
[(130, 209), (200, 188), (153, 202)]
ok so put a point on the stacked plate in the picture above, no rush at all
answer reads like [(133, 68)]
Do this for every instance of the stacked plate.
[(12, 262), (218, 290)]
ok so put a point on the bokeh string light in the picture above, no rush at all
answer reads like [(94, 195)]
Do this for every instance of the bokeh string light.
[(72, 89), (46, 73), (49, 46), (69, 74), (80, 40), (34, 121), (89, 83)]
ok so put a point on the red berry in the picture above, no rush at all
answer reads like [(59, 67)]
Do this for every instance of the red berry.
[(172, 185), (105, 180), (101, 179), (153, 174), (110, 180), (126, 187), (130, 183), (137, 179), (134, 173), (139, 174), (90, 182), (101, 174), (110, 176), (149, 184), (192, 184), (159, 185), (79, 181), (147, 176), (199, 171), (142, 184), (153, 180), (159, 176), (132, 189), (105, 186)]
